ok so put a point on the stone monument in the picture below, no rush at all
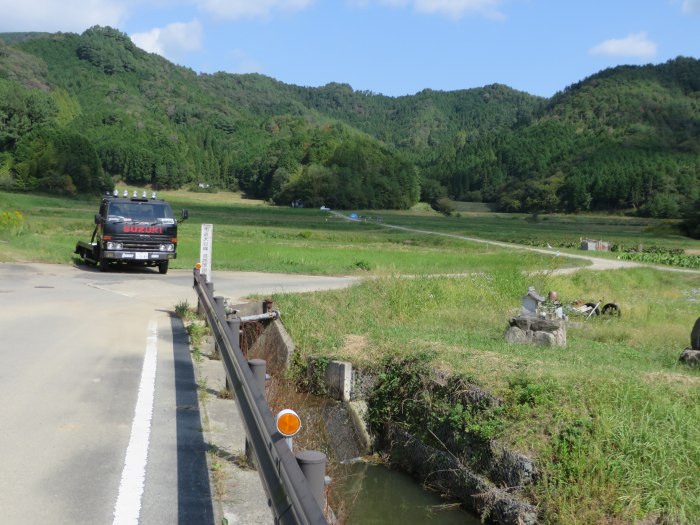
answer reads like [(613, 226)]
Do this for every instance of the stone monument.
[(531, 326)]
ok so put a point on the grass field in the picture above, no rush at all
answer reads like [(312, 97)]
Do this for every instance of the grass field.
[(613, 419)]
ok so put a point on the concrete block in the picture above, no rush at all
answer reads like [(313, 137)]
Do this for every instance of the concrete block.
[(275, 346), (358, 416), (338, 377)]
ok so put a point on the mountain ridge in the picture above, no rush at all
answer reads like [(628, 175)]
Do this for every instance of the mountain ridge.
[(625, 137)]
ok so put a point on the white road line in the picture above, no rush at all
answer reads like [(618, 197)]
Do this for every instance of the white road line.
[(128, 507)]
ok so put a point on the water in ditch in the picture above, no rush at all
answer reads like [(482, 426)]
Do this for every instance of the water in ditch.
[(371, 494), (362, 493)]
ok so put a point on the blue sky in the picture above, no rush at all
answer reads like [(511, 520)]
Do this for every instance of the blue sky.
[(392, 47)]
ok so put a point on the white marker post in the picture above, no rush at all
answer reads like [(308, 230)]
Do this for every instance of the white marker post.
[(205, 250)]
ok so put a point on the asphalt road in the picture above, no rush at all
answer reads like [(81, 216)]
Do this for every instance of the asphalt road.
[(99, 411)]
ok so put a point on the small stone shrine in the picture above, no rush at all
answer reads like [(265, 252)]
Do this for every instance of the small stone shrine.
[(535, 324), (691, 356), (531, 303)]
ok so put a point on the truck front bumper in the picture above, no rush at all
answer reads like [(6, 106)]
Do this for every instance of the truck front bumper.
[(131, 256)]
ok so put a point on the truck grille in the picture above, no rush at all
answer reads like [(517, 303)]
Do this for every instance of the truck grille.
[(141, 242)]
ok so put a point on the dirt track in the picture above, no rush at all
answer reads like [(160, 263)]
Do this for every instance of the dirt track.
[(596, 263)]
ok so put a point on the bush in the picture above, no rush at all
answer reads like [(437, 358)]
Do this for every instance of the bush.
[(444, 206), (11, 222)]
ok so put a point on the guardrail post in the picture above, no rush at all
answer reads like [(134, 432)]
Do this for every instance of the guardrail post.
[(220, 300), (259, 369), (313, 465), (267, 306), (257, 366), (235, 326), (200, 307)]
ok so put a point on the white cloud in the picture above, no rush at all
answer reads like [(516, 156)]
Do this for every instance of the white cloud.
[(453, 8), (691, 7), (171, 41), (67, 16), (634, 45), (458, 8), (235, 9), (78, 15)]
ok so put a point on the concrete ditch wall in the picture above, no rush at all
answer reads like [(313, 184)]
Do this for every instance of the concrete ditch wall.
[(479, 490), (442, 471), (266, 340)]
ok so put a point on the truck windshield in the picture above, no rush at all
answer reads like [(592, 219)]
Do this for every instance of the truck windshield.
[(140, 212)]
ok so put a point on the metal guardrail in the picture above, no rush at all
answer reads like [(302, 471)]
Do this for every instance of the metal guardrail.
[(289, 493)]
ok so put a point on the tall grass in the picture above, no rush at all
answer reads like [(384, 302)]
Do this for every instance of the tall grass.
[(612, 418)]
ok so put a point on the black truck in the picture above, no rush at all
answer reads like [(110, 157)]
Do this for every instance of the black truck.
[(132, 230)]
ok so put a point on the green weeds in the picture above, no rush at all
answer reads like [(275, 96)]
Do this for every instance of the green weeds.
[(409, 395), (195, 326), (185, 312), (197, 331)]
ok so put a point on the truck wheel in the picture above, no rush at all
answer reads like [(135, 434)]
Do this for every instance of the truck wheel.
[(592, 306), (612, 309), (103, 264), (163, 267)]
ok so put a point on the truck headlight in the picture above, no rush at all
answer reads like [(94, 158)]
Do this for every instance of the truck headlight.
[(167, 247), (114, 245)]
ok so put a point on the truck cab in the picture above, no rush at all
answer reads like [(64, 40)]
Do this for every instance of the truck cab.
[(132, 230)]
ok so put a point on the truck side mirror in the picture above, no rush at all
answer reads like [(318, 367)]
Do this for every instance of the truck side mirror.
[(98, 218), (185, 214)]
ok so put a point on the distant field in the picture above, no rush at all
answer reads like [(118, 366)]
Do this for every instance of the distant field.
[(470, 207), (555, 229), (251, 235)]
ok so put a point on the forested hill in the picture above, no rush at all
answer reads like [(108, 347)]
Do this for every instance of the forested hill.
[(80, 111)]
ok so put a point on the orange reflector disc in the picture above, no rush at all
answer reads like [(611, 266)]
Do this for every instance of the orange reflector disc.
[(198, 266), (288, 422)]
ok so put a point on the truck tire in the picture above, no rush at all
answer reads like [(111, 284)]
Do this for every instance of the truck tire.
[(594, 307), (163, 267), (102, 263), (612, 309)]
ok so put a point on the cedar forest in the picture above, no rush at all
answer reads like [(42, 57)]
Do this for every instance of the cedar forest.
[(79, 112)]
